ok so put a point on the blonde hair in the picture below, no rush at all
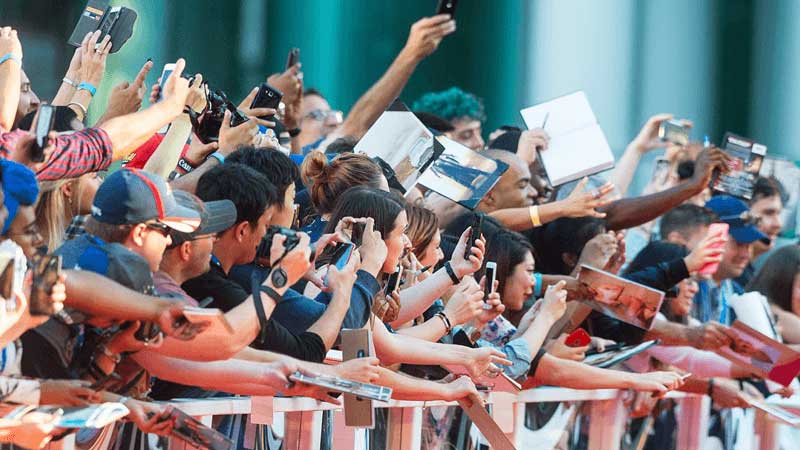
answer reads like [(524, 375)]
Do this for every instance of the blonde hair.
[(50, 210)]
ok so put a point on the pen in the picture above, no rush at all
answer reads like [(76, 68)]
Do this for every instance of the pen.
[(546, 116)]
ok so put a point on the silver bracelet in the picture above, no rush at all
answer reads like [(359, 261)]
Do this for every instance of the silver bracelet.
[(81, 107), (69, 82)]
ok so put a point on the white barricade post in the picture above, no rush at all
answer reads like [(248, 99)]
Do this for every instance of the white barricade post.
[(692, 417), (606, 423), (404, 431)]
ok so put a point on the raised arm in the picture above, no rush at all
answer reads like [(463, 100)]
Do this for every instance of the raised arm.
[(423, 39), (416, 299), (630, 212), (645, 141), (10, 77), (131, 130)]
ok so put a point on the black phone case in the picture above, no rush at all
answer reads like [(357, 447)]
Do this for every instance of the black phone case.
[(293, 58), (474, 234), (391, 282), (447, 7), (267, 97)]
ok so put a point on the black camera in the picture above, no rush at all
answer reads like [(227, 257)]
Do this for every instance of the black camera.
[(207, 128), (292, 239)]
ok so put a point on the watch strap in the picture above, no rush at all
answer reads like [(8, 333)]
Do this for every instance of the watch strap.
[(451, 272), (261, 315)]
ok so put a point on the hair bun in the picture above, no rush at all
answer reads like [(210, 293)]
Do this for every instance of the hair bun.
[(315, 168)]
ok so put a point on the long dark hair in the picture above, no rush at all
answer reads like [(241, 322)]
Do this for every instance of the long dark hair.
[(359, 201), (507, 249), (776, 277)]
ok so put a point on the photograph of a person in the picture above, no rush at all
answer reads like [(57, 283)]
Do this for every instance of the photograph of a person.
[(766, 357), (462, 175), (402, 141), (621, 299)]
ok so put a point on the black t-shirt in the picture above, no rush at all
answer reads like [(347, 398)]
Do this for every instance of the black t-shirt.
[(227, 295)]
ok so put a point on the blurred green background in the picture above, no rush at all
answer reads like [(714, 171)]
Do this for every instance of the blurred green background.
[(725, 64)]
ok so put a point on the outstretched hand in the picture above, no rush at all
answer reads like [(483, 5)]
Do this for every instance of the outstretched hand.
[(427, 33)]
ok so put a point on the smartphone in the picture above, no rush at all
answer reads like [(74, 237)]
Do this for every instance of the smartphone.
[(578, 338), (357, 233), (342, 253), (715, 229), (393, 282), (447, 7), (168, 69), (661, 170), (474, 234), (267, 97), (47, 114), (293, 58), (296, 216), (13, 267), (47, 270), (491, 275), (674, 131)]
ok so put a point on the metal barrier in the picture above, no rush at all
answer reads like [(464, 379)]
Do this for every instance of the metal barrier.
[(302, 418)]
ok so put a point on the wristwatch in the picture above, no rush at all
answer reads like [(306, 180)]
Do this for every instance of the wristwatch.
[(279, 277)]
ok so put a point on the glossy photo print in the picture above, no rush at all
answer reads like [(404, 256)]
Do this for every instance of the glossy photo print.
[(461, 174), (765, 357), (621, 299)]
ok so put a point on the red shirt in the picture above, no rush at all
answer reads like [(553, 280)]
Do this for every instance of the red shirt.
[(138, 158), (86, 151)]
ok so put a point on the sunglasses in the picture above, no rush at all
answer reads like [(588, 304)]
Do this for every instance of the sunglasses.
[(159, 227)]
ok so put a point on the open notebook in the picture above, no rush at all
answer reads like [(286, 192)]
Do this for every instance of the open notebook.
[(578, 146)]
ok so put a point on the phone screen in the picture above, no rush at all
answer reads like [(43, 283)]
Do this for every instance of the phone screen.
[(168, 69), (357, 235), (491, 269), (342, 254)]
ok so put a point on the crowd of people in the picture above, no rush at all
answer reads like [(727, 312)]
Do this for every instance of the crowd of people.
[(247, 218)]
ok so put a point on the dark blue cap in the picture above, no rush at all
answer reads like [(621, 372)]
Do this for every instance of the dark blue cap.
[(19, 188), (131, 196), (735, 213)]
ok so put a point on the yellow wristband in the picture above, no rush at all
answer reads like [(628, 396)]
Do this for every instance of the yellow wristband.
[(534, 212)]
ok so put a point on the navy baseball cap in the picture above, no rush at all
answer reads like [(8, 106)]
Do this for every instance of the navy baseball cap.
[(131, 196), (217, 216), (735, 213)]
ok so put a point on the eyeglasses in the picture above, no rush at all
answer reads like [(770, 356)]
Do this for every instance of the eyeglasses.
[(160, 227), (325, 116)]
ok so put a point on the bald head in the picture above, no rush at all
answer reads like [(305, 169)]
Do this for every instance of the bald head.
[(514, 189)]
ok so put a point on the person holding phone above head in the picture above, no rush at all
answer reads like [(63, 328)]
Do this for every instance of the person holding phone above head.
[(320, 125)]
